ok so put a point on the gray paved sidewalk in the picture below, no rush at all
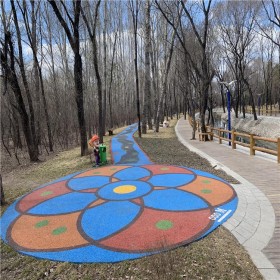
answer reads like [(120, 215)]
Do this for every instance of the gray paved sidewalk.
[(256, 222)]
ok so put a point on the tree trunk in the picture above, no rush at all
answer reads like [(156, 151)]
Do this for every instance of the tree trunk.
[(204, 100), (92, 34), (110, 85), (74, 40), (135, 26), (154, 83), (192, 109), (78, 77), (103, 124), (147, 90), (45, 106), (2, 195), (32, 36), (164, 86), (54, 76), (10, 75), (31, 129), (252, 98)]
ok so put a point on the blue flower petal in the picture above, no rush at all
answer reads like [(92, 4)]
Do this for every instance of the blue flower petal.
[(171, 180), (174, 200), (86, 254), (66, 203), (108, 218), (7, 219), (89, 182), (132, 173)]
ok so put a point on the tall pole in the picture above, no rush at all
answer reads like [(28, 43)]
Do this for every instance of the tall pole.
[(229, 122)]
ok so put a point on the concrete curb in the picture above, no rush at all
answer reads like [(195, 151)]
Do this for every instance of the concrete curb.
[(253, 222)]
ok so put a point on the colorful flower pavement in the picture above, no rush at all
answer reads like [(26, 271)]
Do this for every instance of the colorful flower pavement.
[(128, 210)]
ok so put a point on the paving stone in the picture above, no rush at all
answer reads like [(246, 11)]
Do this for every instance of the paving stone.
[(251, 222), (229, 226), (234, 221), (242, 230), (254, 221), (254, 243), (270, 274), (259, 259), (248, 227), (241, 239)]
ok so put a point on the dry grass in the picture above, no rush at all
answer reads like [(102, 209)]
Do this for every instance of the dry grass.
[(217, 256), (26, 177)]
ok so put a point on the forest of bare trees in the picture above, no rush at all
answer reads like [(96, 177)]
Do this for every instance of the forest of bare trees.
[(73, 68)]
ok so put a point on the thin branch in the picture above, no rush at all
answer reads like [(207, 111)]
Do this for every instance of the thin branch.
[(66, 11), (192, 23), (63, 23), (91, 33), (275, 14)]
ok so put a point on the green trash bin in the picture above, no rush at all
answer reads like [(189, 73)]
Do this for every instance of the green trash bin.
[(102, 154)]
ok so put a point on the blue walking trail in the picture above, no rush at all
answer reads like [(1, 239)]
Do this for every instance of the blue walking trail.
[(125, 150), (118, 212)]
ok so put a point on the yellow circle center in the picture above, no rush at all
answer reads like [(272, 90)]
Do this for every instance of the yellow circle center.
[(125, 189)]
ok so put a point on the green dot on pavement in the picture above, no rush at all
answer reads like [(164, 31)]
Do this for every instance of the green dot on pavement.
[(59, 230), (45, 193), (206, 191), (206, 181), (41, 224), (164, 224)]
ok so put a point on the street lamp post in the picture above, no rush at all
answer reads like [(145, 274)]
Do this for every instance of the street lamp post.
[(228, 107)]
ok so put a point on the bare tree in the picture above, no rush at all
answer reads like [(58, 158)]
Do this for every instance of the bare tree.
[(237, 24), (147, 91), (267, 71), (171, 46), (32, 37), (74, 40), (272, 11), (134, 8), (104, 66), (200, 29), (8, 63), (111, 82), (92, 34), (162, 96)]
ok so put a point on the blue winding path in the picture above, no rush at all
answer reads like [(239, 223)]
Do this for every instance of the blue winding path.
[(125, 150)]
